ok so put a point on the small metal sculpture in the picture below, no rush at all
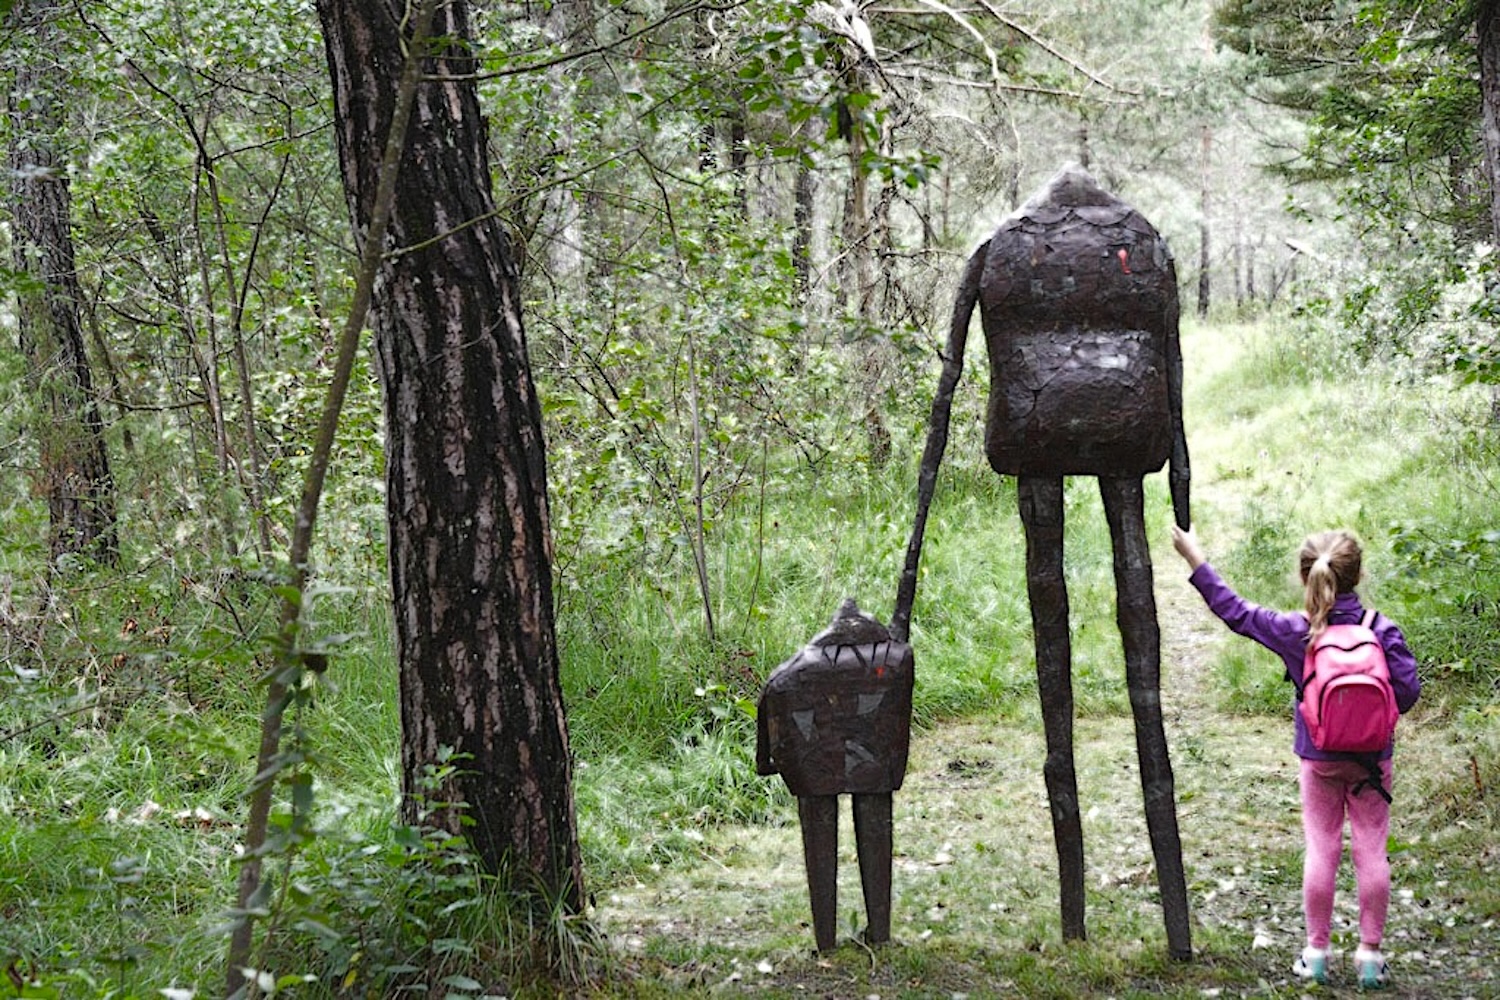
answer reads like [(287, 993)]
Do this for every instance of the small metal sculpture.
[(836, 719), (1078, 297)]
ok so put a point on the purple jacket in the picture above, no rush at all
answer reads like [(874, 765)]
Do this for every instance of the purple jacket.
[(1285, 634)]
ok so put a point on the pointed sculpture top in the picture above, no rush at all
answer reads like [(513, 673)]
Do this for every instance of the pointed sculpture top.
[(851, 627)]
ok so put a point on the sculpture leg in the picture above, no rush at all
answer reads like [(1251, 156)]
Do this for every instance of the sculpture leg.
[(820, 850), (1041, 503), (1124, 506), (872, 839)]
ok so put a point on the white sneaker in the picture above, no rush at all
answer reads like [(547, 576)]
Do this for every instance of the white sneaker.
[(1372, 969), (1312, 964)]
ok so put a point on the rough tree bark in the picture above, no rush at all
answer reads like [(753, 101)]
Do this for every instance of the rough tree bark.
[(74, 473), (282, 690), (466, 467), (1488, 44)]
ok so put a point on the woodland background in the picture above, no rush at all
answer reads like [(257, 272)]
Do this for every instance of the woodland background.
[(737, 228)]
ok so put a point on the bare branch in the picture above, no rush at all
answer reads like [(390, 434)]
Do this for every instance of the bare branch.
[(927, 76), (959, 18), (603, 47), (1042, 44)]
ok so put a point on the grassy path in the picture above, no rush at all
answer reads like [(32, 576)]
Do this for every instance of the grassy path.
[(975, 895)]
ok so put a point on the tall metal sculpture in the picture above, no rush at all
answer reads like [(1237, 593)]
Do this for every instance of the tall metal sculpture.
[(836, 719), (1078, 297)]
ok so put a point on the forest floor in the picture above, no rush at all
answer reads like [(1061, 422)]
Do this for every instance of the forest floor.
[(975, 910)]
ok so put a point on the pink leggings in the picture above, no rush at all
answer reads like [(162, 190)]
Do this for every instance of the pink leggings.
[(1327, 796)]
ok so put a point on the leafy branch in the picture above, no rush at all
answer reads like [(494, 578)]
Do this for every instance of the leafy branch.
[(288, 666)]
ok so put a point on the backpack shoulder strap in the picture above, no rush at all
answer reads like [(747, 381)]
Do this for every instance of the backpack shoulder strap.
[(1368, 621)]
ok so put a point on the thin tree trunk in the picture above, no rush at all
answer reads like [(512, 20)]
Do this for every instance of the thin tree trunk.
[(696, 530), (466, 465), (254, 481), (857, 281), (1250, 256), (739, 161), (174, 288), (208, 365), (76, 475), (1204, 256), (1236, 265), (286, 672), (802, 215), (1488, 42), (563, 215)]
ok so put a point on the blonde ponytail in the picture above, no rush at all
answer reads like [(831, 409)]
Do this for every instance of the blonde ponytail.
[(1330, 563), (1320, 595)]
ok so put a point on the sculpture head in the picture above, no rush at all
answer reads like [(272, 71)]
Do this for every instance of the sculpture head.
[(851, 627), (1078, 296)]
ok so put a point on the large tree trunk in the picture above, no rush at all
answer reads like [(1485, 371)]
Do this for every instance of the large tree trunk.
[(75, 473), (1488, 41), (466, 470), (1489, 90)]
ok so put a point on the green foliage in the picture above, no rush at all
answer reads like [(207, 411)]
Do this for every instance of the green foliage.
[(801, 68), (1455, 580), (382, 910), (1264, 557), (683, 354), (1391, 97)]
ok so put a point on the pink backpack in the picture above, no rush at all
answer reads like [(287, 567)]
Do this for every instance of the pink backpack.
[(1347, 700)]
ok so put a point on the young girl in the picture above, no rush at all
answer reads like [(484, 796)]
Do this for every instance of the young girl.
[(1333, 785)]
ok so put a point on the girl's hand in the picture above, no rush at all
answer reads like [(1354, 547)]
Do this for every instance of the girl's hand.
[(1186, 544)]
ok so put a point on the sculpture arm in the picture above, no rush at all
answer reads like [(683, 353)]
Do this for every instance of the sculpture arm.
[(1179, 477), (763, 763), (937, 435)]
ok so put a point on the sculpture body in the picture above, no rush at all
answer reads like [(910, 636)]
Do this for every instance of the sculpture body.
[(836, 719), (1079, 302), (1078, 297)]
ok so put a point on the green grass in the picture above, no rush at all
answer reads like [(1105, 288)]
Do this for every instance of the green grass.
[(1250, 684)]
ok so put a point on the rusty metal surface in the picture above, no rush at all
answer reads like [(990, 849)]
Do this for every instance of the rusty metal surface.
[(819, 816), (1040, 500), (836, 717), (1078, 297), (1135, 611)]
